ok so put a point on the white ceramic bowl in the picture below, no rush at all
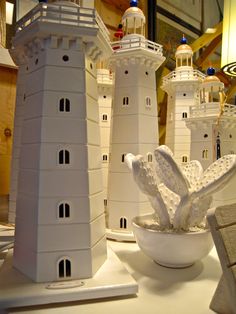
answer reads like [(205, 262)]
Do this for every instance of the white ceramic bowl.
[(175, 250)]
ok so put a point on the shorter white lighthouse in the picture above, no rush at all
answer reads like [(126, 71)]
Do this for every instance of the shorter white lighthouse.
[(213, 133), (182, 87), (134, 122), (105, 80)]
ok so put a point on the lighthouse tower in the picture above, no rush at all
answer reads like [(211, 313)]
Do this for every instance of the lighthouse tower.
[(105, 81), (213, 133), (182, 87), (134, 122), (60, 226)]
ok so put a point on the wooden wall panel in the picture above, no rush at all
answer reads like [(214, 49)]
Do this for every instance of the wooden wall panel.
[(7, 107), (3, 23)]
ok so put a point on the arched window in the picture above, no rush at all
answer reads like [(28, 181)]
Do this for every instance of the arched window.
[(123, 157), (149, 157), (205, 154), (64, 105), (123, 223), (125, 101), (64, 268), (104, 157), (184, 115), (184, 158), (148, 102), (104, 117), (64, 157), (64, 210)]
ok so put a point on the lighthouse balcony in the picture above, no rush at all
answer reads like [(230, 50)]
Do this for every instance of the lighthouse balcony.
[(136, 42), (212, 109), (183, 74), (105, 77), (63, 19)]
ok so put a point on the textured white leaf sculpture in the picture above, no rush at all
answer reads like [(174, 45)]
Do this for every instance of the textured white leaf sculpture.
[(180, 197), (193, 172), (146, 180), (169, 172)]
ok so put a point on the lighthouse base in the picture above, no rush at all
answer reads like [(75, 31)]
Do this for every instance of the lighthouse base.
[(111, 280)]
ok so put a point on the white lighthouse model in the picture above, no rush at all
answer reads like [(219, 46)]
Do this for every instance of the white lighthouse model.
[(213, 132), (134, 122), (60, 226), (105, 81), (182, 86)]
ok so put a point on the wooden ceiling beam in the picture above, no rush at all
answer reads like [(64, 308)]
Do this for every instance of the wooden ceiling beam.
[(209, 50), (205, 39), (214, 63)]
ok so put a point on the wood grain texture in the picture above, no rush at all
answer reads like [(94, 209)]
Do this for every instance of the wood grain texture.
[(225, 215), (3, 23), (222, 222)]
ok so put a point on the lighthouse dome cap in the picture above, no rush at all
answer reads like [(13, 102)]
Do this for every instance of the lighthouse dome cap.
[(211, 77), (134, 12), (184, 48)]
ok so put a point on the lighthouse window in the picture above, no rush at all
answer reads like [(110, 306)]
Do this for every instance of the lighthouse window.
[(205, 135), (65, 58), (123, 157), (149, 157), (104, 157), (64, 268), (36, 61), (91, 66), (184, 94), (146, 73), (126, 72), (64, 210), (104, 117), (64, 105), (125, 101), (148, 102), (105, 202), (205, 154), (184, 115), (104, 96), (230, 136), (123, 223), (184, 159), (64, 157)]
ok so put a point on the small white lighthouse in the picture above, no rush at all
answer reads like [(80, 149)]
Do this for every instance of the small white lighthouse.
[(60, 226), (134, 122), (105, 80), (213, 132), (182, 86)]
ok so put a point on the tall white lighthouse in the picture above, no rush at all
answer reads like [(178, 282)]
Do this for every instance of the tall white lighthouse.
[(134, 122), (60, 226), (182, 86), (213, 132)]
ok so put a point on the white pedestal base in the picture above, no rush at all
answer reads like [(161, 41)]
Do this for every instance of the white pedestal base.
[(120, 236), (111, 280)]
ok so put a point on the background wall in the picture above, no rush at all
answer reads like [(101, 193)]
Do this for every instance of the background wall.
[(7, 105)]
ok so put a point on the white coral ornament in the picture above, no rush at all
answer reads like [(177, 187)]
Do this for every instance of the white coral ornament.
[(180, 196)]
